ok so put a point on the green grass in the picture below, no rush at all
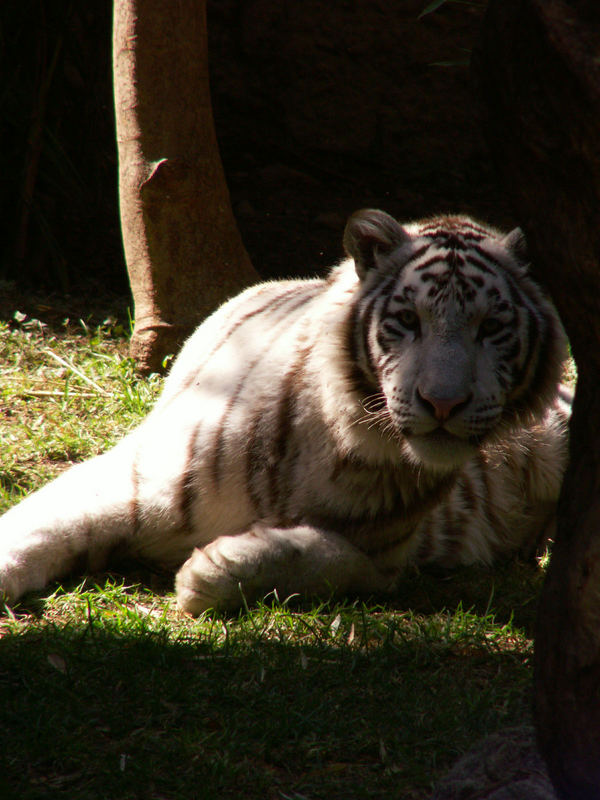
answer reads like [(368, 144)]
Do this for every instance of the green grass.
[(65, 394), (107, 690)]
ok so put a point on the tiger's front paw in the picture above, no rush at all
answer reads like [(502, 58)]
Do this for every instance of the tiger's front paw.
[(16, 580), (219, 575)]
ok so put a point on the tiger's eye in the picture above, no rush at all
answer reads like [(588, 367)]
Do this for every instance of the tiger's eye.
[(490, 326), (409, 319)]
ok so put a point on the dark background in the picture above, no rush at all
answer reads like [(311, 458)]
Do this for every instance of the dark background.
[(321, 107)]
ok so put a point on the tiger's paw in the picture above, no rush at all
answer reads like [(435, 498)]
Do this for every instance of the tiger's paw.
[(201, 584), (220, 575)]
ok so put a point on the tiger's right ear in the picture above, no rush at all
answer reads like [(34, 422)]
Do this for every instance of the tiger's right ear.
[(370, 233), (516, 244)]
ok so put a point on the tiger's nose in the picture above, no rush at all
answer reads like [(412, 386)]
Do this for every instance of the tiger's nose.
[(442, 408)]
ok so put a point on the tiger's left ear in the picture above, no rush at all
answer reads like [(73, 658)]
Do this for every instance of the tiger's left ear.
[(516, 244), (370, 233)]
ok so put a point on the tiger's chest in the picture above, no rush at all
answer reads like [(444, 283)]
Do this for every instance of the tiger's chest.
[(376, 508)]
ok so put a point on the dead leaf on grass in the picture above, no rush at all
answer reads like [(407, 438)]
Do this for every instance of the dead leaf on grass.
[(58, 662)]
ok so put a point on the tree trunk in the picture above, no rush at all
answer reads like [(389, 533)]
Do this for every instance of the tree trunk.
[(183, 250), (538, 75)]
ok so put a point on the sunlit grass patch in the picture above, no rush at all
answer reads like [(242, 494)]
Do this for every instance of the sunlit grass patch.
[(63, 398)]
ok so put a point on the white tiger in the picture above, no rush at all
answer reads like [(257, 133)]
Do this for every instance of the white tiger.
[(314, 436)]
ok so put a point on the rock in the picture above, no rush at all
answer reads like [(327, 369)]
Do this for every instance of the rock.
[(504, 766)]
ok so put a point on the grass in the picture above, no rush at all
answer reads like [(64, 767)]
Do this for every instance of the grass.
[(108, 691), (66, 394)]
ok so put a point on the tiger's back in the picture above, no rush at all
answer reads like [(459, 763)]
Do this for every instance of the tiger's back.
[(321, 433)]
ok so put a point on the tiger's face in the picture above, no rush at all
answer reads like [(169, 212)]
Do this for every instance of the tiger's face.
[(454, 337)]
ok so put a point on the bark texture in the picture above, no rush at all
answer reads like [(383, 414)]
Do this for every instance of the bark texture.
[(538, 74), (183, 250)]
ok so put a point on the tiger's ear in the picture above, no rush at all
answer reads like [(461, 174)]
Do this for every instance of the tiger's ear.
[(370, 233), (516, 244)]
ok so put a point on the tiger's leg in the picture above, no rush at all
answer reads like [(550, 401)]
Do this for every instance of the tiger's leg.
[(118, 503), (74, 521), (299, 560)]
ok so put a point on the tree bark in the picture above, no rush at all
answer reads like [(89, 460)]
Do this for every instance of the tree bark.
[(183, 250), (538, 74)]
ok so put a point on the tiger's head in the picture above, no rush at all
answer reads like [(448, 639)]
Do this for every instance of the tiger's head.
[(454, 341)]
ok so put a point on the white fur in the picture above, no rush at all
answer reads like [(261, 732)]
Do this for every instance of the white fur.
[(262, 468)]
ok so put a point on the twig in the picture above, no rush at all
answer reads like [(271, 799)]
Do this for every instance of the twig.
[(55, 393), (77, 372)]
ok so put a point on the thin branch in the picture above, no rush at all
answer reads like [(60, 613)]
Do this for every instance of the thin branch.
[(77, 372)]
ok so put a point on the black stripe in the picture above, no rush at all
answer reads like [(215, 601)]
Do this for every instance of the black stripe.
[(453, 534), (273, 304), (391, 326), (468, 493), (134, 503), (405, 296), (505, 337), (218, 447), (426, 547), (187, 487), (454, 228), (363, 383), (437, 259), (284, 421), (218, 442), (416, 254), (539, 379), (254, 464), (481, 251), (533, 342), (487, 504), (365, 321), (481, 265)]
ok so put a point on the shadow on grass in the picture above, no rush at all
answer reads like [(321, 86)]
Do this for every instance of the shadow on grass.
[(350, 702), (509, 590)]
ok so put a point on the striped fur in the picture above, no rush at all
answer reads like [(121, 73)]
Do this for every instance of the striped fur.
[(317, 435)]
